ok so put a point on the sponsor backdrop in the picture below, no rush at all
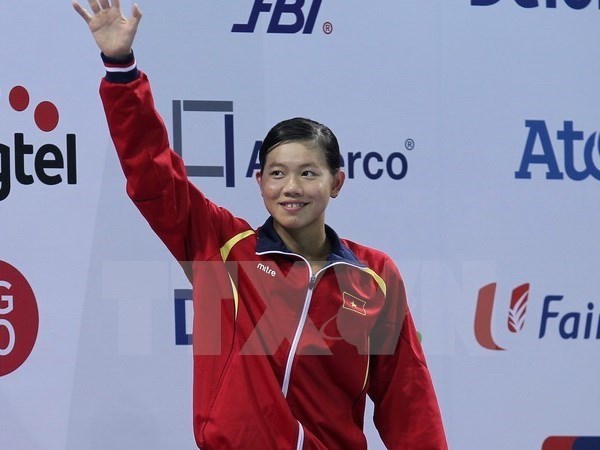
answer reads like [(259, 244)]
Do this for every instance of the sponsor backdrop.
[(470, 136)]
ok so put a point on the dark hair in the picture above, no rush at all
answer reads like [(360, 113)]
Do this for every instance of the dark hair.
[(300, 129)]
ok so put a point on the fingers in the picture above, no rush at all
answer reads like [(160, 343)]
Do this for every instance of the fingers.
[(136, 12), (95, 6), (82, 11), (98, 5), (136, 15)]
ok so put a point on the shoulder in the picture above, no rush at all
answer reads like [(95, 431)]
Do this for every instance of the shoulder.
[(375, 259)]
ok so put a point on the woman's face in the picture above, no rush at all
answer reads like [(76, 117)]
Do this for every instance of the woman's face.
[(296, 185)]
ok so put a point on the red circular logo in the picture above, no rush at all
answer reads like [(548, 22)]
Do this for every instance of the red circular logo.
[(46, 116), (18, 97), (19, 319)]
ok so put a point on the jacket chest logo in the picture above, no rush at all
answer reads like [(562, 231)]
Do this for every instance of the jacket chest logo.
[(354, 304), (266, 269)]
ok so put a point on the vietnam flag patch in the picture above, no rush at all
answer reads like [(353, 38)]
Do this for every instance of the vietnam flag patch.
[(354, 304)]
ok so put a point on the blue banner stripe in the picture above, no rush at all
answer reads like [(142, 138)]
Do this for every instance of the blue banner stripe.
[(587, 443)]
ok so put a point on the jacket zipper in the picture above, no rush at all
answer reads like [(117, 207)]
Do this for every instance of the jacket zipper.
[(309, 293), (298, 334)]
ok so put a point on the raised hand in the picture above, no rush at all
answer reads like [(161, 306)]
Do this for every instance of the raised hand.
[(113, 33)]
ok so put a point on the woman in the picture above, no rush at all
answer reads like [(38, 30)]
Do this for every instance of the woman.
[(293, 326)]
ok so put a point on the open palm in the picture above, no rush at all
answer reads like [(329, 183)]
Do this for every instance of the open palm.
[(112, 32)]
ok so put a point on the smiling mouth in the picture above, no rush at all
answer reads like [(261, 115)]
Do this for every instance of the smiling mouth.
[(293, 205)]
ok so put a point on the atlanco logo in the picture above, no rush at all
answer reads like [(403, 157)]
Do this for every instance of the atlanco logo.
[(573, 4), (581, 153), (557, 317), (48, 164)]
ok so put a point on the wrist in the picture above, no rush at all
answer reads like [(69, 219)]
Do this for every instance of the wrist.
[(122, 69), (118, 58)]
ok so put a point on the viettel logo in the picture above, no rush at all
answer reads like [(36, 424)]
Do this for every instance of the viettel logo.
[(18, 319), (484, 312), (48, 164)]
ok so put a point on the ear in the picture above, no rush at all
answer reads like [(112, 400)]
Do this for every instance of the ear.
[(337, 183), (258, 176)]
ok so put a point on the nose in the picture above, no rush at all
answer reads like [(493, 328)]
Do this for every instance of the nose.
[(293, 187)]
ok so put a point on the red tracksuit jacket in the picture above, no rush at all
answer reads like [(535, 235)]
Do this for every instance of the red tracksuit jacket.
[(283, 357)]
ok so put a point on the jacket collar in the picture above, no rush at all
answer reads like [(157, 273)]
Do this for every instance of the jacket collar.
[(269, 241)]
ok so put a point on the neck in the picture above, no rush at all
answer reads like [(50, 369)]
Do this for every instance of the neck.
[(314, 246)]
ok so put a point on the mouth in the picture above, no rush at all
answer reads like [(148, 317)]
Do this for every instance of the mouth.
[(293, 206)]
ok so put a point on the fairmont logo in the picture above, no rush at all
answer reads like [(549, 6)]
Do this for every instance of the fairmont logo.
[(557, 317), (484, 313)]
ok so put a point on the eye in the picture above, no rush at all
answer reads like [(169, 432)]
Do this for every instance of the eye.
[(276, 174), (309, 173)]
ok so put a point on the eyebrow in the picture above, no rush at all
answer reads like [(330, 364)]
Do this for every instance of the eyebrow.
[(302, 166)]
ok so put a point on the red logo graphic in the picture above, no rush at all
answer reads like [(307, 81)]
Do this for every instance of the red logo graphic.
[(45, 113), (18, 319), (518, 308), (484, 312)]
